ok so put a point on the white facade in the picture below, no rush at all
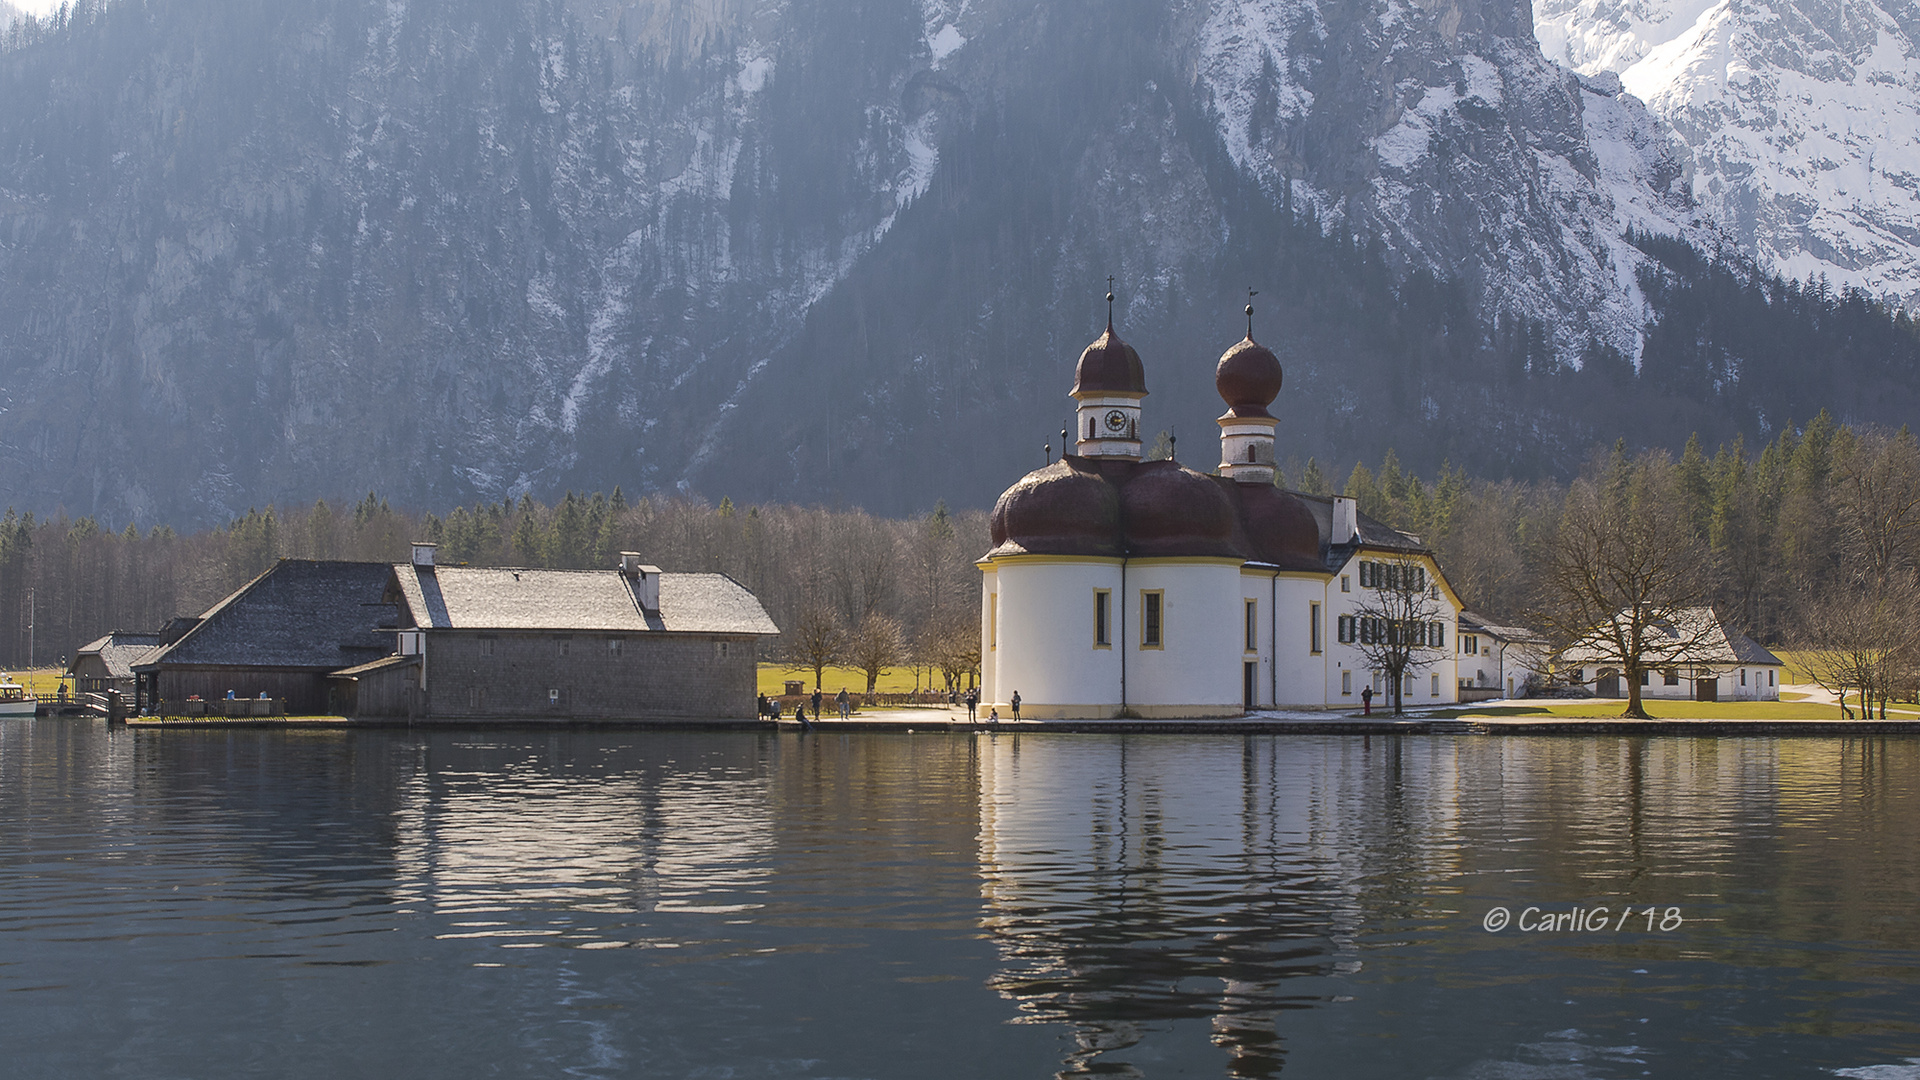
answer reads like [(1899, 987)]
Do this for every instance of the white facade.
[(1125, 588), (1233, 636), (1497, 658), (1704, 661)]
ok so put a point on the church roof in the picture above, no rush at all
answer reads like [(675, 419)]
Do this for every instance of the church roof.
[(1373, 534), (1114, 507), (1109, 366)]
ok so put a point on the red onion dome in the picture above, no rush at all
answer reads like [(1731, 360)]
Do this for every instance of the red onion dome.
[(1279, 528), (1248, 378), (1067, 508), (1168, 509), (1109, 366)]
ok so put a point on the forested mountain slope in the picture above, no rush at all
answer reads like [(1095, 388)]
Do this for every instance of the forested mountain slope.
[(841, 251)]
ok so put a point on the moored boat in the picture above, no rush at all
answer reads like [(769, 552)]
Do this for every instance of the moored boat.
[(15, 701)]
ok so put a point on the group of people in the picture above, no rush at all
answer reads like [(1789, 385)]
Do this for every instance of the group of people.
[(770, 709)]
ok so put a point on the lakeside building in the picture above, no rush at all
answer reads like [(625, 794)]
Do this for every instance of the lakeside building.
[(278, 636), (426, 642), (1498, 661), (1701, 659), (631, 643), (106, 663), (1118, 586)]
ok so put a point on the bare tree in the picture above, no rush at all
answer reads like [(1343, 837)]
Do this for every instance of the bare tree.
[(952, 644), (1877, 497), (1398, 627), (1625, 578), (815, 641), (876, 645)]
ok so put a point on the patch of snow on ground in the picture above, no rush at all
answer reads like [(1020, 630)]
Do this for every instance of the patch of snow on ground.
[(1244, 44), (1908, 1071), (1802, 121), (945, 43), (754, 72)]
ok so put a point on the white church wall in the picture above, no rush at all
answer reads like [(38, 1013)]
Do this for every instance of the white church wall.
[(1301, 673), (1196, 670), (1045, 648)]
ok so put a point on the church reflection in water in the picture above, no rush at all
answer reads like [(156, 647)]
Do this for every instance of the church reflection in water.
[(1136, 886)]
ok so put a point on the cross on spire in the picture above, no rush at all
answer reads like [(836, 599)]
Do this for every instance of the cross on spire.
[(1109, 301), (1250, 295)]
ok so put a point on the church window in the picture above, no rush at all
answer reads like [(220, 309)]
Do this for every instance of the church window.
[(566, 646), (1346, 583), (1344, 630), (1436, 686), (613, 646), (1437, 635), (1671, 676), (1346, 682), (1366, 575), (1102, 618), (1253, 625), (1644, 678), (1313, 626), (1769, 678), (1743, 676), (1151, 603)]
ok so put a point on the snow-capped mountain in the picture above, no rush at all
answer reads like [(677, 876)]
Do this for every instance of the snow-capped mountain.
[(1468, 152), (1801, 119), (263, 250)]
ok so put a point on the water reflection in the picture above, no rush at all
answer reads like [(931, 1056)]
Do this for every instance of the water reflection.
[(1138, 882), (684, 903)]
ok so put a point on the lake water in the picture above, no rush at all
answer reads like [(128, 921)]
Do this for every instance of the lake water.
[(736, 904)]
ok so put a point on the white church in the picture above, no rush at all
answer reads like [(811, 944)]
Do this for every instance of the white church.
[(1119, 587)]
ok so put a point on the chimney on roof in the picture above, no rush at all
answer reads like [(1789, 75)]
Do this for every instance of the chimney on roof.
[(1346, 520), (423, 553), (645, 579)]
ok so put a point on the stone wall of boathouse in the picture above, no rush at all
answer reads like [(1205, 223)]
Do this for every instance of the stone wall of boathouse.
[(581, 675)]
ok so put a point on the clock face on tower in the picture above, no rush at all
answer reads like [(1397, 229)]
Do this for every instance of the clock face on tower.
[(1116, 420)]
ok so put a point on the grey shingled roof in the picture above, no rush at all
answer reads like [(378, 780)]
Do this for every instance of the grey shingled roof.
[(487, 598), (1473, 622), (1748, 651), (302, 613), (119, 651), (1373, 534)]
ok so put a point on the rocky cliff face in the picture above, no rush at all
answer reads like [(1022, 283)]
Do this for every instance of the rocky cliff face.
[(807, 249), (1799, 118)]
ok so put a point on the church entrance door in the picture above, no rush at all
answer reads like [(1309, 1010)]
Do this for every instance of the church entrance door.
[(1249, 672)]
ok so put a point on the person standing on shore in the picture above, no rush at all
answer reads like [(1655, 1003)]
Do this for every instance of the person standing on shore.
[(816, 702), (973, 704), (1366, 701), (1014, 704), (846, 704)]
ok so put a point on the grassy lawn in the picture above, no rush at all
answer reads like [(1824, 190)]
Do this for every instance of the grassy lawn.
[(1796, 671), (40, 682), (1659, 710), (895, 681)]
